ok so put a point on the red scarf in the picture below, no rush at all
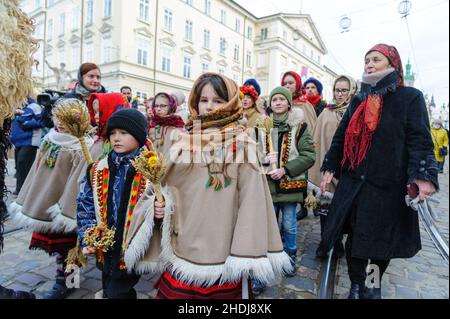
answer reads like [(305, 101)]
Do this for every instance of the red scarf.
[(313, 99), (171, 120), (365, 120)]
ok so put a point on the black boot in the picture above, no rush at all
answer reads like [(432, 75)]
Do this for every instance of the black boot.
[(6, 293), (356, 291), (339, 250), (258, 287), (320, 252), (59, 289), (292, 273), (372, 293), (302, 212)]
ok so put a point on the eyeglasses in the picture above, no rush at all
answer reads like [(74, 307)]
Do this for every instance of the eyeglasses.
[(341, 91), (161, 106)]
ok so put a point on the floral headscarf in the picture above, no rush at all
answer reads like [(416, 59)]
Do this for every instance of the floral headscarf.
[(391, 53)]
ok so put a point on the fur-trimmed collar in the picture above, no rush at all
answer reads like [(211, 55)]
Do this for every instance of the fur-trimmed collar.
[(296, 116)]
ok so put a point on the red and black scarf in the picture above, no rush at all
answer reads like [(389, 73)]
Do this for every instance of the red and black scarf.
[(171, 120), (365, 119)]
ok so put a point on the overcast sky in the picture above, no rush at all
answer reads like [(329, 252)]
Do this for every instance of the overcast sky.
[(375, 21)]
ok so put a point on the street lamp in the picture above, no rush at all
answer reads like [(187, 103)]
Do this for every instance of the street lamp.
[(345, 24), (404, 8)]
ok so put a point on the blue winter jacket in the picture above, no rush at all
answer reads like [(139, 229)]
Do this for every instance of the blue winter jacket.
[(85, 200), (27, 128)]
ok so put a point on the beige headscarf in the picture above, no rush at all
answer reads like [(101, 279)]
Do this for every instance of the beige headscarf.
[(222, 118), (351, 93)]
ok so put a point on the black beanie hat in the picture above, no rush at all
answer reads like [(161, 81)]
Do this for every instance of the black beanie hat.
[(130, 120)]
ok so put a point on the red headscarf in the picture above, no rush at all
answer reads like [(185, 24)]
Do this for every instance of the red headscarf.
[(299, 94), (108, 104), (366, 118), (391, 53)]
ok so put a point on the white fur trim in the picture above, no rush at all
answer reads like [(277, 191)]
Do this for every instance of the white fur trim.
[(135, 252), (257, 268), (58, 223), (281, 263), (296, 116), (141, 241)]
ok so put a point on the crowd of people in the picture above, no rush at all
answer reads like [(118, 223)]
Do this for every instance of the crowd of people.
[(240, 173)]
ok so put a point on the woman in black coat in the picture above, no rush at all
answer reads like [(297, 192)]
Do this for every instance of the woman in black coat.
[(381, 146)]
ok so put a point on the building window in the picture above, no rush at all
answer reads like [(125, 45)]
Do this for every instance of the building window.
[(108, 8), (188, 30), (143, 49), (262, 60), (249, 33), (237, 26), (166, 60), (50, 29), (223, 46), (205, 67), (223, 17), (285, 35), (318, 59), (189, 2), (90, 12), (236, 53), (168, 16), (208, 7), (221, 70), (264, 33), (206, 39), (39, 32), (236, 77), (62, 23), (187, 67), (249, 59), (75, 57), (89, 52), (144, 8), (62, 55), (75, 18), (311, 54), (106, 50)]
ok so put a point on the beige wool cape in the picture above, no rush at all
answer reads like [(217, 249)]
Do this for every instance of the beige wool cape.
[(310, 117), (47, 200), (209, 235)]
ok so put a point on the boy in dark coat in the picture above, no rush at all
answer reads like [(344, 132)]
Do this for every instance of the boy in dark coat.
[(109, 193)]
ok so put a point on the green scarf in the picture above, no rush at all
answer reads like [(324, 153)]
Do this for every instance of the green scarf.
[(280, 121)]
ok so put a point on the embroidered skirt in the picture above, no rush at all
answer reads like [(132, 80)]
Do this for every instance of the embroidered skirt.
[(53, 243), (171, 288)]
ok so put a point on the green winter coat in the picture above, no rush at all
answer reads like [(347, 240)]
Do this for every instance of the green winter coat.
[(299, 160)]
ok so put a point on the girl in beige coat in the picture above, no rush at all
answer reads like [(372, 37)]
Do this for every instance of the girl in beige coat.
[(219, 224)]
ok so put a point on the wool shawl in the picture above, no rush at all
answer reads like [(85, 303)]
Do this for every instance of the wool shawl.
[(210, 232), (47, 200)]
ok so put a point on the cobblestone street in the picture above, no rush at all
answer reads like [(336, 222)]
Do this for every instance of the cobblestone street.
[(424, 276)]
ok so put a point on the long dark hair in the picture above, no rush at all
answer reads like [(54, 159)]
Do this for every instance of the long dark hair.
[(218, 85)]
